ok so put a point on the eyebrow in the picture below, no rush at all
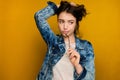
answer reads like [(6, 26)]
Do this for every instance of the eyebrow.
[(67, 20)]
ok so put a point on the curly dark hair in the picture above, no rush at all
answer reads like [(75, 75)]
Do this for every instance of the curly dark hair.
[(78, 11)]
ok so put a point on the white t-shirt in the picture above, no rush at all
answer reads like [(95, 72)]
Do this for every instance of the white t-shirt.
[(64, 70)]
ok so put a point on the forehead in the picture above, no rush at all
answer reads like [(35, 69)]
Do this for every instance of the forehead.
[(66, 16)]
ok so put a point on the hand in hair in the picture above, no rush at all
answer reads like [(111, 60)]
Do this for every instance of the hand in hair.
[(58, 5), (73, 4)]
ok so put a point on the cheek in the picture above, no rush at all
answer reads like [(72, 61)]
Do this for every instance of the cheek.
[(60, 27), (73, 27)]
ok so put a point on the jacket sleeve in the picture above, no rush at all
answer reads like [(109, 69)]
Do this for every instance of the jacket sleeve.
[(40, 18), (88, 72)]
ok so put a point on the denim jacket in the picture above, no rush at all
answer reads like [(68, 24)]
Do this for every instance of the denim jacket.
[(56, 48)]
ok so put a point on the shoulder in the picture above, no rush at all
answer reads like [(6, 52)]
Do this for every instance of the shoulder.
[(84, 43)]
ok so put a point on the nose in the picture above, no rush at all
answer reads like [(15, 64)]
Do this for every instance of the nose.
[(65, 26)]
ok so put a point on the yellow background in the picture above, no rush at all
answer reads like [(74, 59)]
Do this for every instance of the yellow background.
[(22, 49)]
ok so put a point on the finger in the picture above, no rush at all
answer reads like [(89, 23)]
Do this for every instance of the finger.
[(70, 51), (73, 60), (73, 4), (58, 6), (72, 55)]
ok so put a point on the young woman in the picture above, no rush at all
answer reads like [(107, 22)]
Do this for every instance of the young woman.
[(67, 57)]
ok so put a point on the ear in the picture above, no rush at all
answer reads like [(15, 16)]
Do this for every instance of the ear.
[(76, 28)]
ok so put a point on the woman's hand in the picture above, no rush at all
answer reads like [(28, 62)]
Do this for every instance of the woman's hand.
[(58, 5), (71, 3), (75, 58)]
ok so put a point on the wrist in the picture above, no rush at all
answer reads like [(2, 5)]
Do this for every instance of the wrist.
[(53, 5), (78, 68)]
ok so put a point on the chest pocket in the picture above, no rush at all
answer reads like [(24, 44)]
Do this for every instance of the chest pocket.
[(54, 50), (56, 54)]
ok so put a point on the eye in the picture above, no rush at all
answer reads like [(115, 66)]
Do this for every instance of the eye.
[(71, 22), (61, 21)]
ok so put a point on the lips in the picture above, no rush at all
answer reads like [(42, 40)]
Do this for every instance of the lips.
[(64, 32)]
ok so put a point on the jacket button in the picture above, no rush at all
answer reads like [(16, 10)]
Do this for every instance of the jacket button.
[(53, 47)]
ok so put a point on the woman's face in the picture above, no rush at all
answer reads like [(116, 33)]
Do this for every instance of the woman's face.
[(66, 23)]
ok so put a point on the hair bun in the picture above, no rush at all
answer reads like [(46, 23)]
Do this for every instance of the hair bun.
[(80, 11)]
